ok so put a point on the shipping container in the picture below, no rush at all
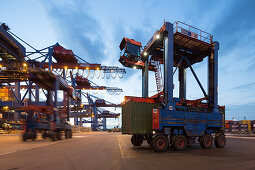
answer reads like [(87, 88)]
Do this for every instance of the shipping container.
[(234, 127), (227, 125), (253, 126), (137, 117), (244, 128), (246, 122)]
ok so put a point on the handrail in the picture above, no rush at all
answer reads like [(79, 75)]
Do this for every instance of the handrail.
[(201, 35)]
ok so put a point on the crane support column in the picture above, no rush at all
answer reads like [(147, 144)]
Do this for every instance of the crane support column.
[(213, 76), (168, 66), (36, 94), (67, 108), (56, 113), (104, 124), (182, 82), (17, 94), (145, 79)]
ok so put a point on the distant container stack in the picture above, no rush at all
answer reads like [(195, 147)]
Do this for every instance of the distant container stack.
[(240, 127)]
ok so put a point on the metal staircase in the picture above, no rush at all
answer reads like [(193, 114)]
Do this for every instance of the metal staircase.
[(158, 75)]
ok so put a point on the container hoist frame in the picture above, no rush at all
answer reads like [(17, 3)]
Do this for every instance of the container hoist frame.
[(177, 121)]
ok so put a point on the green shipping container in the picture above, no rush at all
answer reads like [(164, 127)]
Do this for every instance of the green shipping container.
[(137, 117)]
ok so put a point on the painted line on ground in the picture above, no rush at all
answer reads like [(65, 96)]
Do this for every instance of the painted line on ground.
[(80, 136), (122, 156), (7, 153), (240, 137)]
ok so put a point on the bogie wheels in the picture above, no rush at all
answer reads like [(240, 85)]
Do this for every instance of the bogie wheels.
[(44, 135), (206, 141), (148, 138), (179, 142), (149, 141), (160, 143), (70, 133), (59, 135), (25, 136), (137, 140), (67, 134), (34, 135), (53, 136), (220, 140)]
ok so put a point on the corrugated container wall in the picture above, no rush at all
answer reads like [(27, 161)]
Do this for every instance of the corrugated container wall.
[(137, 117)]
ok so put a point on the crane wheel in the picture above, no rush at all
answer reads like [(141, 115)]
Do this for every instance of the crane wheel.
[(53, 136), (179, 142), (137, 140), (206, 141), (24, 137), (59, 135), (70, 133), (220, 140), (66, 134), (160, 143), (34, 135)]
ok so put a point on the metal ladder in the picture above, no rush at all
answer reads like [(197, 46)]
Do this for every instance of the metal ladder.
[(158, 75)]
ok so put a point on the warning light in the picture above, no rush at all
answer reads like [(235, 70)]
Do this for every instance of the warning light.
[(25, 64), (157, 36), (87, 68), (97, 68), (76, 68), (65, 67)]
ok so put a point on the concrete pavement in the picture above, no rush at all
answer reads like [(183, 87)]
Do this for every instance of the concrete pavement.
[(103, 150)]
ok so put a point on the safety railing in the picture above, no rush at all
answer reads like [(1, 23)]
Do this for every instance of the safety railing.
[(192, 32)]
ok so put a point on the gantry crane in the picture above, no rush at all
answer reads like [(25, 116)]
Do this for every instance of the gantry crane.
[(46, 71), (163, 119)]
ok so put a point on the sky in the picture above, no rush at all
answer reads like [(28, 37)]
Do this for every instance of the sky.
[(94, 29)]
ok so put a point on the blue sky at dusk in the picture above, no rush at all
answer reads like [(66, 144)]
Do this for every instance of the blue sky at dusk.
[(94, 29)]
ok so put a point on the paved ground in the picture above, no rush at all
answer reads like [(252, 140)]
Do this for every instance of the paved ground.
[(101, 151)]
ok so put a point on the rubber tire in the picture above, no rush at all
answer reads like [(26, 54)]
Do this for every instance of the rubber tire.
[(137, 140), (206, 141), (59, 135), (220, 140), (24, 136), (53, 136), (179, 142), (44, 135), (34, 135), (160, 143), (67, 134), (70, 134), (149, 140)]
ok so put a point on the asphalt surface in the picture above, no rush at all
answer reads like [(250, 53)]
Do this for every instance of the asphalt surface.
[(103, 150)]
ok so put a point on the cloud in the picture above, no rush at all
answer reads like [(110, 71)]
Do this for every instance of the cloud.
[(76, 29), (236, 24), (93, 29)]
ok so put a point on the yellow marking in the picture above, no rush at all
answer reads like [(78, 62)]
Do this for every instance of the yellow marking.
[(122, 156)]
